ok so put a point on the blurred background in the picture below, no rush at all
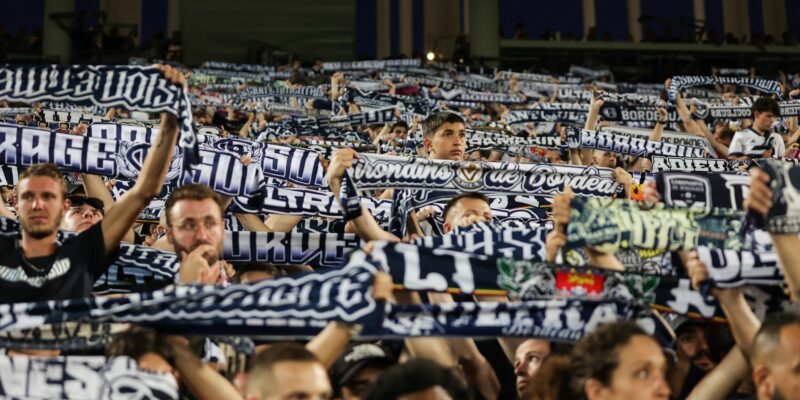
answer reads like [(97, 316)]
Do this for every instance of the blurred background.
[(637, 39)]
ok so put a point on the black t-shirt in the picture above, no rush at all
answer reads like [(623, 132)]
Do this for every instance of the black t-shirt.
[(68, 274)]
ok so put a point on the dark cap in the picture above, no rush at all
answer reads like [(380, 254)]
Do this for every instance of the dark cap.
[(78, 200), (356, 358)]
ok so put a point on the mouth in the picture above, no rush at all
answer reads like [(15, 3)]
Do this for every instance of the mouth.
[(521, 386)]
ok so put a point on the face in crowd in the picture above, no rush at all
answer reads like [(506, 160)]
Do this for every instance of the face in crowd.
[(41, 205), (527, 360), (692, 345), (763, 120), (639, 375), (605, 159), (195, 223), (449, 142), (467, 211), (83, 212)]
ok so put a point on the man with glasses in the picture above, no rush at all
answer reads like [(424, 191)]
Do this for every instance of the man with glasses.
[(196, 230)]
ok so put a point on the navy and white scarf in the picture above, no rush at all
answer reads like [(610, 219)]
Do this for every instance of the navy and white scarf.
[(730, 268), (478, 97), (315, 249), (688, 164), (133, 88), (702, 190), (305, 202), (82, 377), (635, 113), (788, 108), (549, 112), (238, 67), (370, 64), (24, 146), (379, 172), (680, 82), (634, 146), (344, 295), (671, 137)]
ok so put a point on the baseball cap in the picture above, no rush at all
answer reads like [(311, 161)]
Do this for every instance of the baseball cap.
[(357, 357), (77, 201)]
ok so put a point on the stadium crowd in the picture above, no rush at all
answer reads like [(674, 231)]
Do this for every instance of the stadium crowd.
[(394, 229)]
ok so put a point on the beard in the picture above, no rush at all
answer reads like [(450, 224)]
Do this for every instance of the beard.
[(39, 231), (776, 395)]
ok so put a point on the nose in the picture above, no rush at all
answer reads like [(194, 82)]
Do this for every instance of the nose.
[(202, 233), (520, 370)]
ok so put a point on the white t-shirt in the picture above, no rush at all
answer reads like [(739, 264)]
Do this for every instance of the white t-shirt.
[(749, 143)]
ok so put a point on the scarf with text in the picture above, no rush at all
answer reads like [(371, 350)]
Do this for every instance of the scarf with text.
[(702, 191), (688, 164), (621, 144), (672, 137), (610, 225), (549, 112), (23, 146), (82, 377), (315, 249), (344, 295), (681, 82), (379, 172), (788, 108), (133, 88)]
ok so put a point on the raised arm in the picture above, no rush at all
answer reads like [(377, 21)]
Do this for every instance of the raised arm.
[(365, 225), (591, 124), (759, 200), (698, 129), (95, 187), (200, 378), (329, 344), (119, 219)]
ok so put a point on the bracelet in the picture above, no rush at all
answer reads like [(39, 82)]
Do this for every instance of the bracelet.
[(660, 122)]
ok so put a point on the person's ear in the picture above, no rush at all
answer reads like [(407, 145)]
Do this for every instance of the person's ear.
[(169, 237), (447, 228), (428, 145), (762, 379), (595, 390)]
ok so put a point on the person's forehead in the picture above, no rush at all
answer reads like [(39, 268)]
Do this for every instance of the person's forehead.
[(195, 208), (451, 126), (537, 345), (641, 348), (790, 338), (473, 204), (39, 183)]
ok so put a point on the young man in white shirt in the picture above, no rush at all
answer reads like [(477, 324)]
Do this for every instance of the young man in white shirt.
[(758, 141)]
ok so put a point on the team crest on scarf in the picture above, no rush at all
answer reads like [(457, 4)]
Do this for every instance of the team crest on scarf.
[(469, 176)]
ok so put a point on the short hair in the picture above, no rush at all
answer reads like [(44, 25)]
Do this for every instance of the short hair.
[(414, 376), (466, 195), (431, 124), (262, 364), (726, 133), (48, 170), (766, 104), (137, 341), (768, 337), (401, 124), (192, 191)]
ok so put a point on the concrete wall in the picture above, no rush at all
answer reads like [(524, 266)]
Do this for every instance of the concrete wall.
[(224, 30)]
